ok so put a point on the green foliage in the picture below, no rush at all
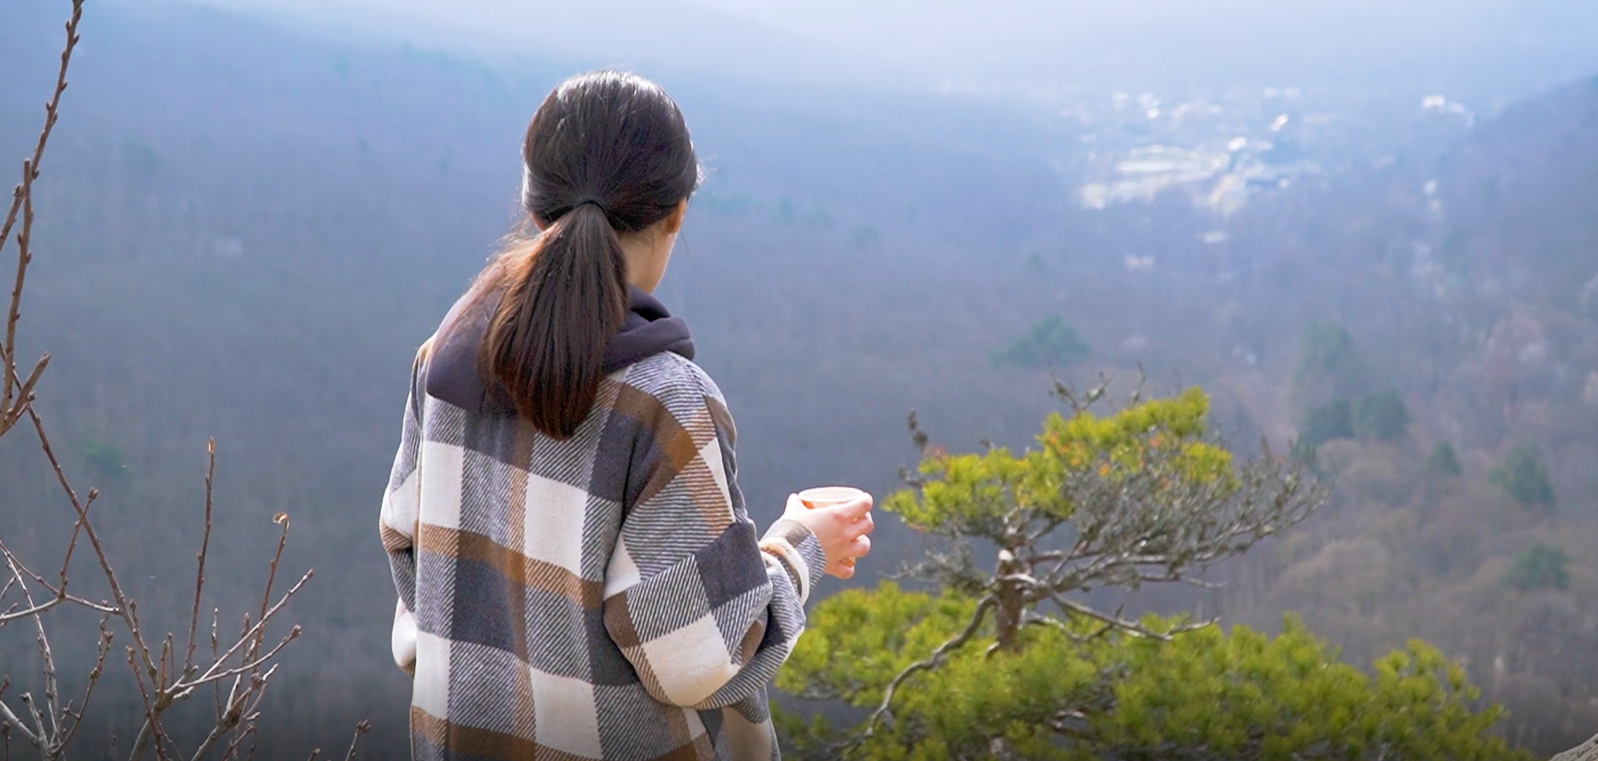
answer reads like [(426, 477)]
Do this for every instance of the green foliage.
[(1333, 420), (105, 461), (1444, 461), (1050, 343), (971, 493), (1064, 695), (1541, 567), (1306, 455), (1524, 477), (1328, 356), (1381, 416), (140, 159)]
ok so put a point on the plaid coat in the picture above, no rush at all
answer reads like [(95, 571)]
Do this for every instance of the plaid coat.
[(602, 597)]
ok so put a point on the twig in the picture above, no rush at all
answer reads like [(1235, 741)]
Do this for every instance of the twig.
[(281, 519), (184, 689), (24, 397), (152, 718), (32, 610), (251, 633), (57, 592), (94, 678), (233, 747), (205, 546), (360, 730), (123, 609), (225, 721), (50, 688), (22, 197), (10, 719), (216, 687)]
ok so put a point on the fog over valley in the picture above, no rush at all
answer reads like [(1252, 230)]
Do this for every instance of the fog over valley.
[(1367, 231)]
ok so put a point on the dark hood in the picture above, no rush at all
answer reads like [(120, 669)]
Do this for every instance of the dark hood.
[(452, 364)]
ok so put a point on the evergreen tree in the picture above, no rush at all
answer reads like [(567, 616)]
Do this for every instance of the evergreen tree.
[(1381, 416), (1009, 663), (1444, 460), (1541, 567), (1333, 420), (1049, 343), (1523, 476), (1329, 360)]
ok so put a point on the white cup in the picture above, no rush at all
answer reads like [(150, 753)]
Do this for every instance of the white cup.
[(831, 496)]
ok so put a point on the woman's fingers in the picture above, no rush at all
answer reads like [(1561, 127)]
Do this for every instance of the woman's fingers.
[(853, 511), (860, 547)]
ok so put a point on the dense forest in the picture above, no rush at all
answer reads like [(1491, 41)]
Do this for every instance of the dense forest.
[(247, 229)]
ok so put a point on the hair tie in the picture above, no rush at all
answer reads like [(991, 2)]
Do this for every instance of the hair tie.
[(593, 201)]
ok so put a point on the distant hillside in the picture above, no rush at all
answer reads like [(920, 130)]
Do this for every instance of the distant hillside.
[(1521, 199), (246, 229)]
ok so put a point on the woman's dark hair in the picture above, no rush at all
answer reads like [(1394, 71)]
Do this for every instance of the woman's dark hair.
[(606, 153)]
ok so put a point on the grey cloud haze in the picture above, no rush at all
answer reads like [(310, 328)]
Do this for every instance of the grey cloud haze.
[(1492, 49)]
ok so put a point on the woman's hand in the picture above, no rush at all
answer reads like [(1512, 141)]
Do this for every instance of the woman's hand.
[(842, 530)]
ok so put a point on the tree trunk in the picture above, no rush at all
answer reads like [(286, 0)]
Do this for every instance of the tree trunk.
[(1011, 603)]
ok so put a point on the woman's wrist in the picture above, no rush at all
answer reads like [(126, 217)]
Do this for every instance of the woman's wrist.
[(794, 545)]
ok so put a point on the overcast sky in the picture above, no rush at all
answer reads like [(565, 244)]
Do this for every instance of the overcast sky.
[(1495, 46)]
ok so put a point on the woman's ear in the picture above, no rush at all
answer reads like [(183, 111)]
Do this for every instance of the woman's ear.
[(673, 221)]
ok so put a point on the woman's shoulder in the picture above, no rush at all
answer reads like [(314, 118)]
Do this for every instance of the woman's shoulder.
[(668, 374), (676, 381)]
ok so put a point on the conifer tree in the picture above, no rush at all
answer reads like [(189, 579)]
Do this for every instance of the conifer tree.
[(1010, 662)]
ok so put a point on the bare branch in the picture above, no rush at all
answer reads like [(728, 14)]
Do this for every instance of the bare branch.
[(205, 547), (10, 719), (45, 654), (233, 747), (94, 678), (883, 709), (57, 591), (282, 519), (124, 609), (252, 634), (152, 717), (1129, 627), (33, 610), (225, 723), (183, 689), (24, 395), (360, 730), (22, 199)]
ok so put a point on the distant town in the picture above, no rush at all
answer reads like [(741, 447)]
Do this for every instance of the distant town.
[(1223, 149)]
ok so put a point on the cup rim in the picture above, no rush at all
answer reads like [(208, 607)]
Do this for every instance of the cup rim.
[(818, 496)]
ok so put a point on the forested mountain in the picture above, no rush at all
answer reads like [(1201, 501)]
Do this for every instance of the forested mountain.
[(246, 230)]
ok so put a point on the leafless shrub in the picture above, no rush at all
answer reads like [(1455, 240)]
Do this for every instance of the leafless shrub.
[(235, 669)]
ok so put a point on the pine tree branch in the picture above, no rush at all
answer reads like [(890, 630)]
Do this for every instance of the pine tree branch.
[(883, 709)]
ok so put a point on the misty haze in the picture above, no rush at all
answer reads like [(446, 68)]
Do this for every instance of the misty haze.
[(1367, 231)]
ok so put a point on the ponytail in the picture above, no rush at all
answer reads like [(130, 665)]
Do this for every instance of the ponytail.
[(606, 154), (562, 301)]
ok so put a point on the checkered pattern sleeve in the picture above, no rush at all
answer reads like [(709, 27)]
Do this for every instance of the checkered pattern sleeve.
[(397, 524), (704, 608)]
